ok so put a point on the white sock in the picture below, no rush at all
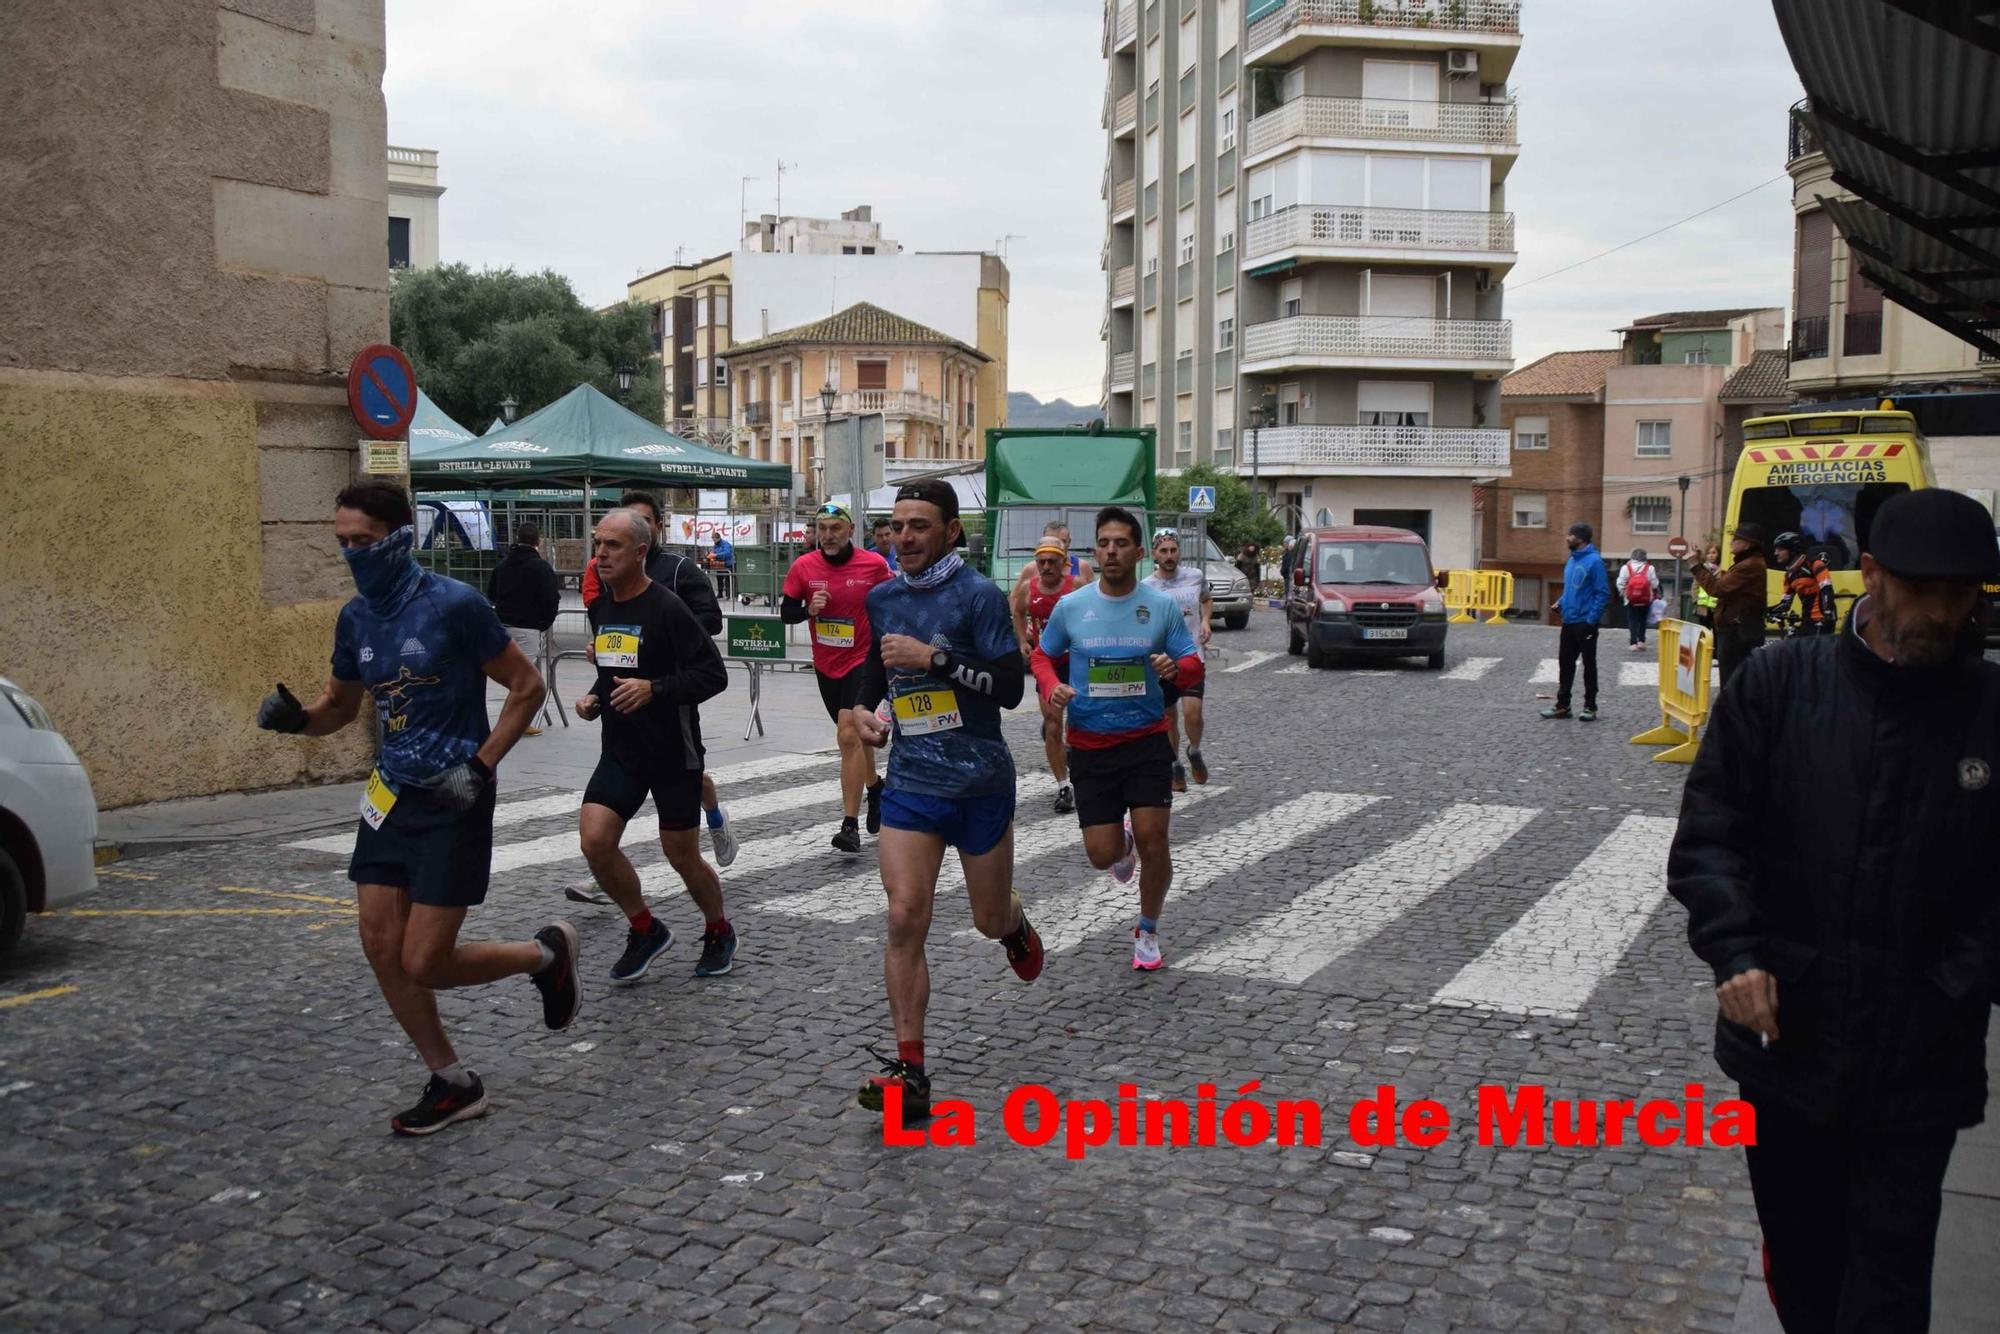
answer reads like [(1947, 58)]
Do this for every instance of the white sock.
[(548, 960), (456, 1075)]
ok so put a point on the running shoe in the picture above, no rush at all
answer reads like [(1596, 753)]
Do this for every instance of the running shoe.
[(849, 837), (532, 730), (874, 794), (1197, 766), (1024, 948), (1145, 950), (1556, 711), (1180, 776), (718, 953), (641, 948), (916, 1086), (722, 839), (1065, 800), (561, 997), (1587, 716), (443, 1102), (579, 894), (1121, 870)]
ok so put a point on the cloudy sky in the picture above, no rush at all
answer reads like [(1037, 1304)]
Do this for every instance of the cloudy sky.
[(596, 138)]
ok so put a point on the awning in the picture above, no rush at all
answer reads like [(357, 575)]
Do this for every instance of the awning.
[(1904, 99), (1647, 502)]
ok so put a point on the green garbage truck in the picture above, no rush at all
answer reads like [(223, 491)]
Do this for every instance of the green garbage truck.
[(1038, 474)]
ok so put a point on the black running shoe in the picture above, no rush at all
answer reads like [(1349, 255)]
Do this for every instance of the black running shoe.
[(1197, 766), (641, 948), (849, 837), (718, 953), (1065, 799), (915, 1083), (443, 1103), (875, 807), (1180, 777), (561, 996)]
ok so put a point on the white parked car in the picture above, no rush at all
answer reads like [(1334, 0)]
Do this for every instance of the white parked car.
[(48, 817)]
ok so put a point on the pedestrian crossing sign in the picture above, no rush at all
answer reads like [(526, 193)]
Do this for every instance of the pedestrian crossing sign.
[(1201, 500)]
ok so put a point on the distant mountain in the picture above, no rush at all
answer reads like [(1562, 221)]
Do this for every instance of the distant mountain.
[(1027, 410)]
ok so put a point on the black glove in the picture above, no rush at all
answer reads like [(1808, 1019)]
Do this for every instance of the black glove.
[(281, 712), (460, 787)]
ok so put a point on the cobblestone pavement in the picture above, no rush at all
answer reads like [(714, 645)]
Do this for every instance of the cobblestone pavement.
[(1394, 877)]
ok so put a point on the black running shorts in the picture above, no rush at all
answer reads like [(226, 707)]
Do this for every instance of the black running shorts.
[(441, 857), (1173, 693), (676, 793), (840, 693), (1122, 778)]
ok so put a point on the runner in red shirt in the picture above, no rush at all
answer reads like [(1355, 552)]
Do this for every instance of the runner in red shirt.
[(828, 587), (1034, 598)]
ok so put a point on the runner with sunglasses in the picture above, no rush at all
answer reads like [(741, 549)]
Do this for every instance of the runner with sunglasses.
[(828, 587)]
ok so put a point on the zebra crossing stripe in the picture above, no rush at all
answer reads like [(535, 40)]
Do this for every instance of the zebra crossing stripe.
[(1546, 673), (566, 803), (1101, 906), (1472, 669), (1339, 914), (645, 829), (1639, 674), (1251, 660), (860, 895), (1296, 669), (1550, 960)]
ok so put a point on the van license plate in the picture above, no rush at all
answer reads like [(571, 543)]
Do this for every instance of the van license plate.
[(1390, 632)]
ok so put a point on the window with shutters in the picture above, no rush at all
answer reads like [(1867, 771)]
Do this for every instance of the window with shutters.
[(1812, 291), (1531, 433), (1655, 440), (1652, 514), (1291, 298), (1861, 326), (871, 375), (1393, 403), (1225, 334), (1531, 511)]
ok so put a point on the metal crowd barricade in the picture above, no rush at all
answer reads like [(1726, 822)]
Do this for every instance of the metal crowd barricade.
[(1470, 591), (1687, 651)]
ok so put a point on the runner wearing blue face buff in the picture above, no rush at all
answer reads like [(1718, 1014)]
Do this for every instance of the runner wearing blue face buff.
[(425, 646)]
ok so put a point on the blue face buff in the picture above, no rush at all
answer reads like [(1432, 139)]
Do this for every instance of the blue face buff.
[(385, 574)]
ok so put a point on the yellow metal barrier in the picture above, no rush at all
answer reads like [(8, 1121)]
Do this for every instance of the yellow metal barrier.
[(1469, 591), (1686, 654)]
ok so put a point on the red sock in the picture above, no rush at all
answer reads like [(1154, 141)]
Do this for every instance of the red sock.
[(910, 1053), (642, 921), (721, 927)]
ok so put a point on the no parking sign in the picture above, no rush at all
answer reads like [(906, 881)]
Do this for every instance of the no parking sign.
[(382, 391)]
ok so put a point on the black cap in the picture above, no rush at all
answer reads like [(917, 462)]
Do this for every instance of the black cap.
[(1935, 534), (1749, 532), (934, 491), (1582, 532)]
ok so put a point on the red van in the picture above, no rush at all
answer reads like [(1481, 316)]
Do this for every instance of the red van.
[(1365, 592)]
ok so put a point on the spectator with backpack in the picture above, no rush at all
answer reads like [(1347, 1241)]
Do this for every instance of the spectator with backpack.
[(1639, 584)]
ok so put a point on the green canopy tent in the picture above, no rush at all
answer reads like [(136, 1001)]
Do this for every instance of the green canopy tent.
[(431, 429), (497, 424)]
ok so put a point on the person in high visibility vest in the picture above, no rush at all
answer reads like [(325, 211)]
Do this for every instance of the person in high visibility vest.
[(1704, 600), (1806, 579)]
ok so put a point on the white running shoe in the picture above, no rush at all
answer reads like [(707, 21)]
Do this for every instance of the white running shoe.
[(1145, 950), (1121, 870), (724, 841)]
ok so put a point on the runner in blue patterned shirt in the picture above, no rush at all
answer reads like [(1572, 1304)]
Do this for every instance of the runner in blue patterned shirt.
[(945, 659)]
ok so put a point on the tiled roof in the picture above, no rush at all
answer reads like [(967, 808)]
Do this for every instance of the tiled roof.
[(1561, 374), (860, 323), (1761, 379), (1693, 319)]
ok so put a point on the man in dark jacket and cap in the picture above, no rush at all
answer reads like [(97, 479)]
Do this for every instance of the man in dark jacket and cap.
[(525, 594), (1855, 968)]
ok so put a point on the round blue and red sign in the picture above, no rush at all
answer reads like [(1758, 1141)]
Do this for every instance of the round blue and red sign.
[(382, 391)]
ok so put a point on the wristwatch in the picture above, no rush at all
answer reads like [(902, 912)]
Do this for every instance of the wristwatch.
[(939, 660)]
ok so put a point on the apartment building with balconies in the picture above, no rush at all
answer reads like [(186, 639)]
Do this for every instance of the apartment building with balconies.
[(692, 326), (1305, 215), (923, 382)]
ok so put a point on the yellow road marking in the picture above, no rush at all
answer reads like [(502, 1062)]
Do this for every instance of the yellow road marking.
[(348, 904), (194, 912), (126, 875), (48, 993)]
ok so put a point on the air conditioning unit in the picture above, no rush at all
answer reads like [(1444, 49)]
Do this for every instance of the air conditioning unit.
[(1461, 62)]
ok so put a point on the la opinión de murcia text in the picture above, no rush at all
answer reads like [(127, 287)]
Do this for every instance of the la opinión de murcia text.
[(1035, 1116)]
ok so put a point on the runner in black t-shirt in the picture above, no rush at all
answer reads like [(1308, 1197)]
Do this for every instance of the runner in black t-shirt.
[(655, 666)]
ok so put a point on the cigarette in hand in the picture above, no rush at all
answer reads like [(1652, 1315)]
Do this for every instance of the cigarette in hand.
[(1764, 1039)]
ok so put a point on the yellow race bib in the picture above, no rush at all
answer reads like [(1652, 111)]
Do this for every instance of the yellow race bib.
[(617, 646), (833, 632), (924, 707), (377, 799)]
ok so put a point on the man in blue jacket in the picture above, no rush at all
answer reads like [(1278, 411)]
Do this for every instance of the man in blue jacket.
[(1586, 588)]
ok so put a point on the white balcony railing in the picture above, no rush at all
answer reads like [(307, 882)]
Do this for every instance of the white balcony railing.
[(1123, 364), (1490, 123), (1495, 16), (1333, 226), (1480, 450), (892, 402), (1339, 337), (1121, 284)]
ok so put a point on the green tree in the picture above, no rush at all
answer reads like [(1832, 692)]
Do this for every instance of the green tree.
[(1235, 521), (477, 338)]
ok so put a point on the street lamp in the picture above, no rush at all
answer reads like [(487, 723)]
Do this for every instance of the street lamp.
[(826, 400), (624, 378), (1680, 591), (1256, 424), (826, 395), (508, 407)]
